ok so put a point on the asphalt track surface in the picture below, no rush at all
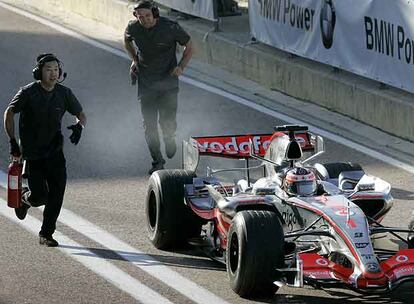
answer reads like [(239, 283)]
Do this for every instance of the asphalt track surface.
[(105, 256)]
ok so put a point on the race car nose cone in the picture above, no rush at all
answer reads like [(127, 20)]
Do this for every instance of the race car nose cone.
[(373, 280)]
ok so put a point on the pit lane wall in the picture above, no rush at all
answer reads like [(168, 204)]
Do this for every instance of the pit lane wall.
[(203, 9), (388, 109)]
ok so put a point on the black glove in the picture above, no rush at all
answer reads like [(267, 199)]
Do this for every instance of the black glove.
[(14, 148), (76, 133)]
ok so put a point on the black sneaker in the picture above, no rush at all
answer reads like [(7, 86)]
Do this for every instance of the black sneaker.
[(170, 147), (155, 167), (21, 212), (48, 241)]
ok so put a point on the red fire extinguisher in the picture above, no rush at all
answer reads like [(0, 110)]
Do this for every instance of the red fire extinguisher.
[(14, 184)]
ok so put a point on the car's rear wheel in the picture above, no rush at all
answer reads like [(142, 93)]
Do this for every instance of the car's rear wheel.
[(255, 249), (170, 222)]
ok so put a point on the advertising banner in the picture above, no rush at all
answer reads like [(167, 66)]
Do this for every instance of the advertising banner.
[(372, 38), (201, 8)]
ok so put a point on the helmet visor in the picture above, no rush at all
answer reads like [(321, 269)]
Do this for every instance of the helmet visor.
[(306, 187)]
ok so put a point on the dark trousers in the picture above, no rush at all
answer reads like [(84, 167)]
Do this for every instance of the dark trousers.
[(158, 107), (47, 183)]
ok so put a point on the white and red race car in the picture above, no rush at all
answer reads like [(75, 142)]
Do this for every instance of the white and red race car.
[(294, 224)]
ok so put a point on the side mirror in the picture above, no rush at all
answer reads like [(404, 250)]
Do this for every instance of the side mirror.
[(320, 145)]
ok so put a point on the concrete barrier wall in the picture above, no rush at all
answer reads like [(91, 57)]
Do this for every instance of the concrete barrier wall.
[(390, 110), (115, 13)]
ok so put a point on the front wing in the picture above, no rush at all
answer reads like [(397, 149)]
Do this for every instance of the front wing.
[(320, 271)]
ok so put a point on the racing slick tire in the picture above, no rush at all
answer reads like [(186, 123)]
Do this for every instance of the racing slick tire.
[(255, 249), (169, 221)]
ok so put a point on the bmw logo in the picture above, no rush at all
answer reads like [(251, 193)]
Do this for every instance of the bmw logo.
[(328, 19)]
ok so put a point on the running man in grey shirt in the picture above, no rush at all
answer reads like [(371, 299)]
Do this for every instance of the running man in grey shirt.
[(151, 42)]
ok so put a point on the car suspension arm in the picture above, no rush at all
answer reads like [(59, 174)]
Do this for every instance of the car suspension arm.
[(393, 231), (304, 230), (313, 232)]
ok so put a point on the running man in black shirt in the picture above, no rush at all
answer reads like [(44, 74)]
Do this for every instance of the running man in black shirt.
[(155, 64), (41, 106)]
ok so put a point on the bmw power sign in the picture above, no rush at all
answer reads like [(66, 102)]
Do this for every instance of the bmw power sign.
[(370, 38), (287, 23)]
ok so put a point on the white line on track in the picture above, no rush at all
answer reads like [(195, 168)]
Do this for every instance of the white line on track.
[(129, 253), (3, 179), (139, 259), (334, 137), (153, 267), (97, 264)]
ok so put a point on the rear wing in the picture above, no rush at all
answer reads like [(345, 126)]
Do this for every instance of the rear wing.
[(233, 146), (236, 146)]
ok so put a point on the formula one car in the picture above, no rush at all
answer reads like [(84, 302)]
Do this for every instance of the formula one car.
[(295, 224)]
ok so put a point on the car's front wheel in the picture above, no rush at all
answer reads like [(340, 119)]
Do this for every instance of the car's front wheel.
[(255, 249), (170, 222)]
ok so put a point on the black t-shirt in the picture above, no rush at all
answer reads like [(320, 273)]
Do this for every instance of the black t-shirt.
[(41, 115), (157, 52)]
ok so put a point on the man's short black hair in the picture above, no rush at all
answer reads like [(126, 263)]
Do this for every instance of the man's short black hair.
[(144, 4), (46, 57)]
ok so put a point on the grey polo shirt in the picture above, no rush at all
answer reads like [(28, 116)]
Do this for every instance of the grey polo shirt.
[(157, 52), (41, 115)]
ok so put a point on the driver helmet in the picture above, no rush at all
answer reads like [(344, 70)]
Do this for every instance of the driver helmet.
[(300, 181)]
